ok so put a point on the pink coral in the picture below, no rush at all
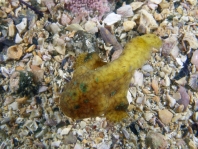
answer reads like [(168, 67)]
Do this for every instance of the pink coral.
[(87, 7)]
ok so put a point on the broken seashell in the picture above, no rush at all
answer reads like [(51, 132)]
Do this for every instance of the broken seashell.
[(18, 38), (125, 11), (112, 18), (193, 81), (21, 26), (15, 52)]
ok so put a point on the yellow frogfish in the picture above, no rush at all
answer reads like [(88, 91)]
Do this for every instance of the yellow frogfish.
[(99, 88)]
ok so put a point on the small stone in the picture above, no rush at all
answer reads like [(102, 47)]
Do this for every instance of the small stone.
[(128, 25), (165, 116), (15, 52), (37, 60), (156, 140)]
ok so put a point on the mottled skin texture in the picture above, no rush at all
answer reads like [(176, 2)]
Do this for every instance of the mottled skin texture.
[(99, 88)]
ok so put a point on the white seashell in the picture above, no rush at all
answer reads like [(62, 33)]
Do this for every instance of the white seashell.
[(17, 10), (56, 143), (156, 1), (128, 25), (125, 11), (140, 100), (148, 115), (37, 60), (112, 18), (195, 107), (42, 89), (195, 116), (60, 49), (194, 59), (31, 125), (129, 97), (21, 26), (191, 39), (193, 81), (11, 29), (126, 133), (171, 101), (13, 106), (136, 5), (91, 27), (8, 100), (18, 38), (167, 80), (147, 22), (65, 131), (192, 2), (138, 78), (147, 68), (6, 72), (65, 19), (55, 28), (151, 5), (82, 124)]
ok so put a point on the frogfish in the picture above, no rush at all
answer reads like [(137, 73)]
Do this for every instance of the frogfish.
[(100, 89)]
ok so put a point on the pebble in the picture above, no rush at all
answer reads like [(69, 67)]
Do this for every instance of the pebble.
[(128, 25), (165, 116)]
